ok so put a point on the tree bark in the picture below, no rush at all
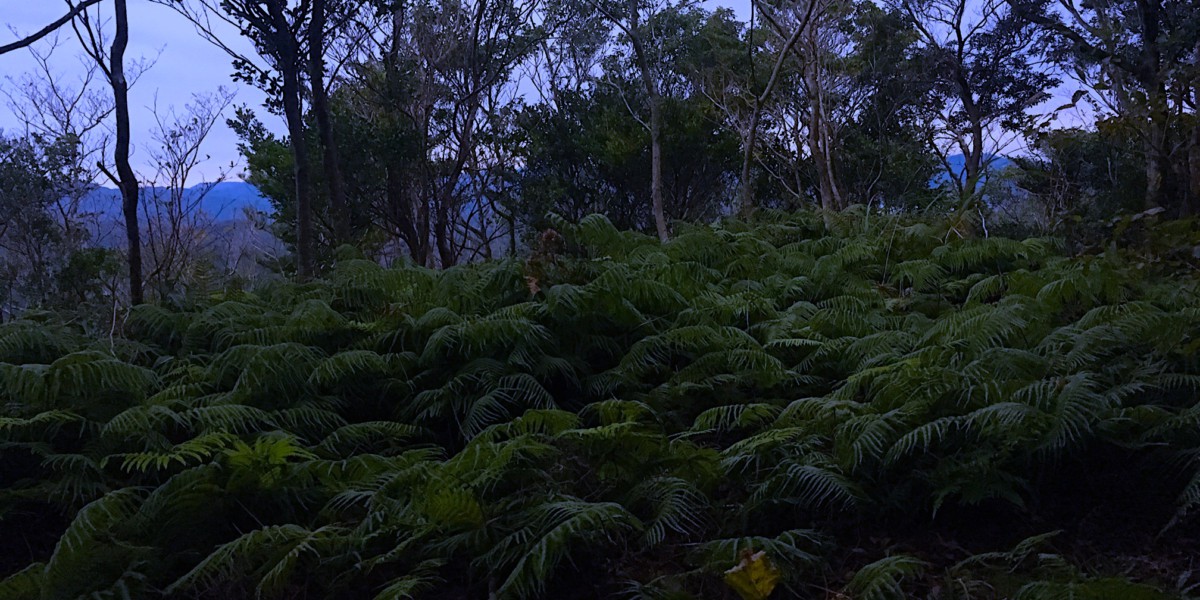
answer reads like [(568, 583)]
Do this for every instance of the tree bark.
[(656, 181), (746, 204), (655, 101), (402, 199), (1155, 173), (400, 212), (305, 259), (1156, 103), (127, 180), (288, 55), (824, 185), (820, 142), (49, 29), (972, 153), (1193, 206), (973, 159), (441, 229), (1156, 146), (320, 100)]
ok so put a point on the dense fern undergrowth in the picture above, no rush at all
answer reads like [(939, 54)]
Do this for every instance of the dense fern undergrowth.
[(886, 411)]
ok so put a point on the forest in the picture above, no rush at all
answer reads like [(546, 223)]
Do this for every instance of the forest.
[(637, 299)]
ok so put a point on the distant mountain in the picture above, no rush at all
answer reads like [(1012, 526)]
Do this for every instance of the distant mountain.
[(225, 201), (228, 199), (958, 163)]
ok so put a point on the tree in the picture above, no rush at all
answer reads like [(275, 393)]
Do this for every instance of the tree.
[(71, 112), (885, 160), (73, 10), (584, 155), (1076, 180), (278, 30), (725, 66), (111, 61), (988, 66), (426, 95), (319, 30), (31, 244), (1139, 58), (180, 236), (812, 34), (634, 19), (48, 258), (818, 49)]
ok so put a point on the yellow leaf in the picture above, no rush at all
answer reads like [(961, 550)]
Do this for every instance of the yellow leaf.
[(754, 577)]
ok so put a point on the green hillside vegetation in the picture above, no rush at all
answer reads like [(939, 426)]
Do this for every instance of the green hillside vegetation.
[(887, 410)]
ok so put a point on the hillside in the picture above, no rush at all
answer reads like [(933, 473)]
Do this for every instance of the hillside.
[(224, 201), (229, 200), (886, 411)]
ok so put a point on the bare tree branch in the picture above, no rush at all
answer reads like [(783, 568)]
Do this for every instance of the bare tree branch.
[(75, 10)]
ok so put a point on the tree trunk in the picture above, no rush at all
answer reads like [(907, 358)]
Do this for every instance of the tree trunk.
[(828, 204), (512, 235), (746, 205), (127, 180), (973, 152), (402, 199), (820, 142), (1193, 205), (656, 182), (424, 225), (305, 259), (290, 64), (827, 147), (441, 233), (400, 213), (320, 100), (973, 160), (655, 101), (1156, 139), (1156, 102)]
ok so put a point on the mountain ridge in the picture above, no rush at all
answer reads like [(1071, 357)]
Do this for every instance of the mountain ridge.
[(222, 201)]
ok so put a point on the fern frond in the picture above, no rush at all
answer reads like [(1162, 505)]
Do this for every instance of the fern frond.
[(676, 507), (884, 578), (422, 579), (25, 584), (196, 450), (556, 528), (358, 438), (268, 556), (87, 538), (735, 416), (793, 550)]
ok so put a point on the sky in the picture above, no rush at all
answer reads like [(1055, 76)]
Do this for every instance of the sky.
[(184, 64)]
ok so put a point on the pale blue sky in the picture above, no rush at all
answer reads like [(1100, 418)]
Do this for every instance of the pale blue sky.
[(186, 64)]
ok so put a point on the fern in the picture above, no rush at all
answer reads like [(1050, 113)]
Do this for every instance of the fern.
[(796, 384), (267, 556), (196, 450), (883, 579), (554, 528)]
